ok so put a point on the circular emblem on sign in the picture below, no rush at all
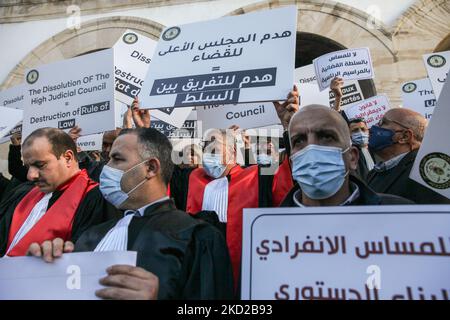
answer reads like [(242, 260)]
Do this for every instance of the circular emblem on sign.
[(130, 38), (409, 87), (436, 61), (32, 76), (435, 170), (171, 33)]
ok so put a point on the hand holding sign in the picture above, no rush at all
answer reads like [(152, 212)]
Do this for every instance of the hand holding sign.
[(129, 283), (49, 250), (336, 87), (351, 64), (286, 109), (141, 117)]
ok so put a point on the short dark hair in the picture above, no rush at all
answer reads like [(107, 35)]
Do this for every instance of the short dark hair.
[(154, 144), (356, 120), (58, 139)]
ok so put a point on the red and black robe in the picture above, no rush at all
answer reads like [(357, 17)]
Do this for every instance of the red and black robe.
[(73, 207)]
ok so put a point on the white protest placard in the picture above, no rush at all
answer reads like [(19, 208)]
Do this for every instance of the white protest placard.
[(438, 66), (91, 142), (13, 97), (132, 56), (188, 130), (234, 59), (77, 91), (418, 95), (432, 165), (9, 119), (371, 110), (309, 93), (253, 115), (350, 64), (346, 253), (74, 276)]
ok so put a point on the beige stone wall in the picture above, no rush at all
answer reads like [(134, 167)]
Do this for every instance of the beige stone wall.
[(93, 35), (424, 28), (29, 10), (396, 52)]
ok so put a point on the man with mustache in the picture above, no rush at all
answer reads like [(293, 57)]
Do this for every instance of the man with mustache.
[(59, 201)]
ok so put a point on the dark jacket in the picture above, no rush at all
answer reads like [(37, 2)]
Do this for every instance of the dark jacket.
[(396, 181), (362, 171), (189, 256), (367, 197)]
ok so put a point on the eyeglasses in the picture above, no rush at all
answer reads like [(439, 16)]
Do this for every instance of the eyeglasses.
[(386, 120)]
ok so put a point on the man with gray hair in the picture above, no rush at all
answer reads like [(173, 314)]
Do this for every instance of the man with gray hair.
[(395, 141), (178, 257)]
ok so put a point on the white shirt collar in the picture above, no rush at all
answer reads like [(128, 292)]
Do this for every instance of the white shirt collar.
[(391, 163)]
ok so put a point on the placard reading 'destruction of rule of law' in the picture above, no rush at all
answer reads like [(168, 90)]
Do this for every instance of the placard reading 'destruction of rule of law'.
[(74, 276), (9, 119), (306, 81), (432, 165), (235, 59), (350, 64), (438, 66), (132, 55), (418, 95), (253, 115), (92, 142), (13, 97), (372, 110), (346, 253), (77, 91)]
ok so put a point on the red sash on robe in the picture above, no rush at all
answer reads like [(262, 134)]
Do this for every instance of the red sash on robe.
[(242, 193), (57, 221), (282, 183)]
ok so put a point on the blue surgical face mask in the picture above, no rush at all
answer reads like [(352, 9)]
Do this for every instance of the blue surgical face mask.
[(360, 138), (212, 164), (110, 188), (264, 159), (380, 138), (319, 170)]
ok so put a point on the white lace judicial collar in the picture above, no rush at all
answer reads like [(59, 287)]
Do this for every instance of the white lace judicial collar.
[(215, 198)]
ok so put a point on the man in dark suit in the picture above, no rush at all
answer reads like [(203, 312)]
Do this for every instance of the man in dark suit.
[(396, 141)]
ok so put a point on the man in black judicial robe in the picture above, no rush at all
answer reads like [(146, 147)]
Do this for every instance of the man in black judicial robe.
[(50, 155), (187, 255)]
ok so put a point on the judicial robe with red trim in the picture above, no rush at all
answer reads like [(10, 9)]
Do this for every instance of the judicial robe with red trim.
[(246, 189), (73, 207)]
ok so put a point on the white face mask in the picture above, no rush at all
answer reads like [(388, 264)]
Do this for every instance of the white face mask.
[(264, 159), (110, 188), (212, 164)]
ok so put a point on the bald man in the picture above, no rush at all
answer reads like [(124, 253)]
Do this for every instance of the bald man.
[(322, 157), (395, 141)]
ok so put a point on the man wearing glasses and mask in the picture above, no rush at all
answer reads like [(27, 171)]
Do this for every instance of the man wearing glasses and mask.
[(396, 141)]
